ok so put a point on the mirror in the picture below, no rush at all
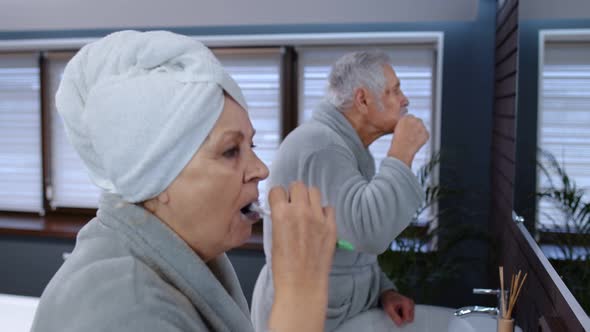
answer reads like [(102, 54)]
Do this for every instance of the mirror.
[(553, 142)]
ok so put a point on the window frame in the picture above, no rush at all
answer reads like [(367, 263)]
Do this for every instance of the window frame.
[(548, 237), (545, 37)]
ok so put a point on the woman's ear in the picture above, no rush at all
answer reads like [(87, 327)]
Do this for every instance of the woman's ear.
[(163, 197), (150, 205)]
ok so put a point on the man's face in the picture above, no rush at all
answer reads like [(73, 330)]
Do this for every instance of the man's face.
[(394, 104)]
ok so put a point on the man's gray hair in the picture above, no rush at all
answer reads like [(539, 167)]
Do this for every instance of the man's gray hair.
[(355, 70)]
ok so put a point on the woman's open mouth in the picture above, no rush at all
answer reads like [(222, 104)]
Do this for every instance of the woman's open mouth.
[(249, 214)]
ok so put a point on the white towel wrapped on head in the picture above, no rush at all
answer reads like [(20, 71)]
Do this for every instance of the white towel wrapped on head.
[(138, 105)]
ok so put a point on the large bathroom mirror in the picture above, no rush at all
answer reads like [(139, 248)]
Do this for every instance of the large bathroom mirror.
[(552, 178)]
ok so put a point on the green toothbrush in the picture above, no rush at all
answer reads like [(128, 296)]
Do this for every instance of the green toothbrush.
[(343, 244), (340, 244)]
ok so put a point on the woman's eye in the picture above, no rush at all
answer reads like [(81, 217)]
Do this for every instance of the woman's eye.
[(231, 153), (253, 146)]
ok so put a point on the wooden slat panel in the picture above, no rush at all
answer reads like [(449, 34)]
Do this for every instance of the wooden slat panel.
[(503, 200), (506, 87), (510, 24), (507, 48), (506, 67), (505, 165), (551, 324), (503, 154), (505, 11), (506, 106), (503, 145), (502, 190), (505, 126)]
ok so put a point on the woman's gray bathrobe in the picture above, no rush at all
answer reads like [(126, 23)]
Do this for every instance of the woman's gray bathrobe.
[(371, 210), (130, 272)]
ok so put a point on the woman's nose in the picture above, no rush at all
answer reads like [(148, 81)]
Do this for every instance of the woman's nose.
[(257, 170)]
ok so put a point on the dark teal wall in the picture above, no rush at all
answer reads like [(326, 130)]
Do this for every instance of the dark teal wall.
[(27, 264), (467, 100)]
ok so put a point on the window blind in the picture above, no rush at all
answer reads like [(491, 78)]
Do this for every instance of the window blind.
[(20, 134), (70, 183), (564, 117)]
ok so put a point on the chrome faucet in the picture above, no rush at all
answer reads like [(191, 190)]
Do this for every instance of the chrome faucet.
[(476, 308)]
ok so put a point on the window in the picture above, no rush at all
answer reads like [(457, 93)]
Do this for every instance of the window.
[(40, 169), (20, 134), (564, 117)]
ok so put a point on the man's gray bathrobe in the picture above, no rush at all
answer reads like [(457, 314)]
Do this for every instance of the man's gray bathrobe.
[(371, 210), (130, 272)]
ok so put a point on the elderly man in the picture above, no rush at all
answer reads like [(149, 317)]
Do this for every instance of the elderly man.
[(364, 101)]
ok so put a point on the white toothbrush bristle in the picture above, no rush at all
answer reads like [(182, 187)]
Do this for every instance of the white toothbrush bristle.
[(259, 209)]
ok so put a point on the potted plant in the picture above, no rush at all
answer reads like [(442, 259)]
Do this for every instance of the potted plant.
[(418, 262)]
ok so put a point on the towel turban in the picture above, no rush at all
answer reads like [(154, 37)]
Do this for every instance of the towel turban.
[(138, 105)]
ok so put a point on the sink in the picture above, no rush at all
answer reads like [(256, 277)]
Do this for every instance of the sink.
[(17, 312), (475, 322), (426, 319)]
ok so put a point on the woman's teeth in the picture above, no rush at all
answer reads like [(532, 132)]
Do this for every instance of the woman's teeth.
[(250, 213)]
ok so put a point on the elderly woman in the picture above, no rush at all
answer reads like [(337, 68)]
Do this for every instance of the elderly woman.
[(163, 130)]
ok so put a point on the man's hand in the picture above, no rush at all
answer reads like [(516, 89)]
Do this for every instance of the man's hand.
[(399, 308), (410, 135)]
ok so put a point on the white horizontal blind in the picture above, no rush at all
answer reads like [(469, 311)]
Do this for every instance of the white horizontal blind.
[(20, 134), (564, 121), (414, 65), (71, 185), (257, 72)]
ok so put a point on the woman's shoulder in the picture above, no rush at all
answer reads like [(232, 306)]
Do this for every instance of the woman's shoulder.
[(99, 289)]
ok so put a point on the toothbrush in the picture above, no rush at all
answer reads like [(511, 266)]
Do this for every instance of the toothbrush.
[(340, 244)]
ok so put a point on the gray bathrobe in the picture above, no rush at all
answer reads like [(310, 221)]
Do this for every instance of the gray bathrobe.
[(130, 272), (371, 210)]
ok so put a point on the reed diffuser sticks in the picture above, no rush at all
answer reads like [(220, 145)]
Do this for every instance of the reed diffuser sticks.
[(502, 300), (516, 283)]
